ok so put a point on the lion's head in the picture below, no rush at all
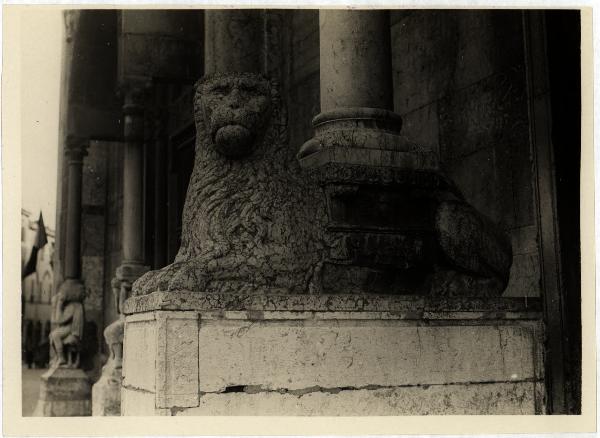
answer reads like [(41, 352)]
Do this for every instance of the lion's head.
[(235, 109)]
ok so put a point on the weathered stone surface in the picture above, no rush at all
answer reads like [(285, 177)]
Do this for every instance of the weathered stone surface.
[(517, 398), (64, 392), (177, 359), (422, 127), (303, 354), (139, 351), (410, 305), (472, 244), (389, 241), (250, 225), (106, 394), (92, 271), (355, 59), (234, 41), (137, 403), (305, 54), (320, 363), (525, 277), (436, 52), (160, 44)]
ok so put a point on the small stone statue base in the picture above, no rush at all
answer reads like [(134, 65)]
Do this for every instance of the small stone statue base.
[(64, 392)]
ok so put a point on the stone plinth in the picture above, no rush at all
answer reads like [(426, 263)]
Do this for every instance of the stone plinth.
[(64, 392), (330, 355)]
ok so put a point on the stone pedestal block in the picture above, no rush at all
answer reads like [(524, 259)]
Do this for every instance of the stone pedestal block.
[(64, 392), (330, 355)]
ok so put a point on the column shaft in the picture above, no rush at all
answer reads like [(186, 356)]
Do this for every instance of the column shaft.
[(133, 242), (132, 203), (106, 393), (356, 69), (233, 41), (74, 152)]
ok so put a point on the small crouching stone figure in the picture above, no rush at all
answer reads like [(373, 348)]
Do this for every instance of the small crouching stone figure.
[(113, 334), (65, 339)]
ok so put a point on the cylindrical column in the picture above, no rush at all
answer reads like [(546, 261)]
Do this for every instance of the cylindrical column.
[(106, 393), (357, 95), (133, 177), (356, 68), (233, 41), (75, 151)]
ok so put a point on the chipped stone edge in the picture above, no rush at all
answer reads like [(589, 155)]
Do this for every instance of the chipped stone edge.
[(304, 306), (164, 399)]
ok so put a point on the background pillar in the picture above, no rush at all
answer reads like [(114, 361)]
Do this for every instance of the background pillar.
[(65, 389), (106, 393), (75, 150)]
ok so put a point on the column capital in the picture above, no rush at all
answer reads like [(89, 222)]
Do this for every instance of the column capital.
[(76, 148), (134, 91), (124, 277)]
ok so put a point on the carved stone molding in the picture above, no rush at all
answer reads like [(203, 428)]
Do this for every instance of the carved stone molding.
[(76, 149)]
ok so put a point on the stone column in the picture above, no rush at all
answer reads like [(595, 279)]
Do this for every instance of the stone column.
[(404, 227), (106, 393), (65, 388), (75, 150), (233, 41), (357, 95), (356, 67)]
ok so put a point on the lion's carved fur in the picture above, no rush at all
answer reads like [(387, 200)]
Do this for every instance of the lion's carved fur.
[(252, 225)]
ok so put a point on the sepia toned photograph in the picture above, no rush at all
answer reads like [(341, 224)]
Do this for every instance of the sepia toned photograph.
[(300, 212)]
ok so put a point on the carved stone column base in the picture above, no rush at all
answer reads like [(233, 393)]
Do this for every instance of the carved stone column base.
[(363, 136), (64, 392), (404, 227)]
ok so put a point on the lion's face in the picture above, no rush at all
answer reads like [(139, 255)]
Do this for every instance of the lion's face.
[(235, 109)]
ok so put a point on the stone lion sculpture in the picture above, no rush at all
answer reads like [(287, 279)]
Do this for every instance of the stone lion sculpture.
[(252, 222), (255, 223)]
